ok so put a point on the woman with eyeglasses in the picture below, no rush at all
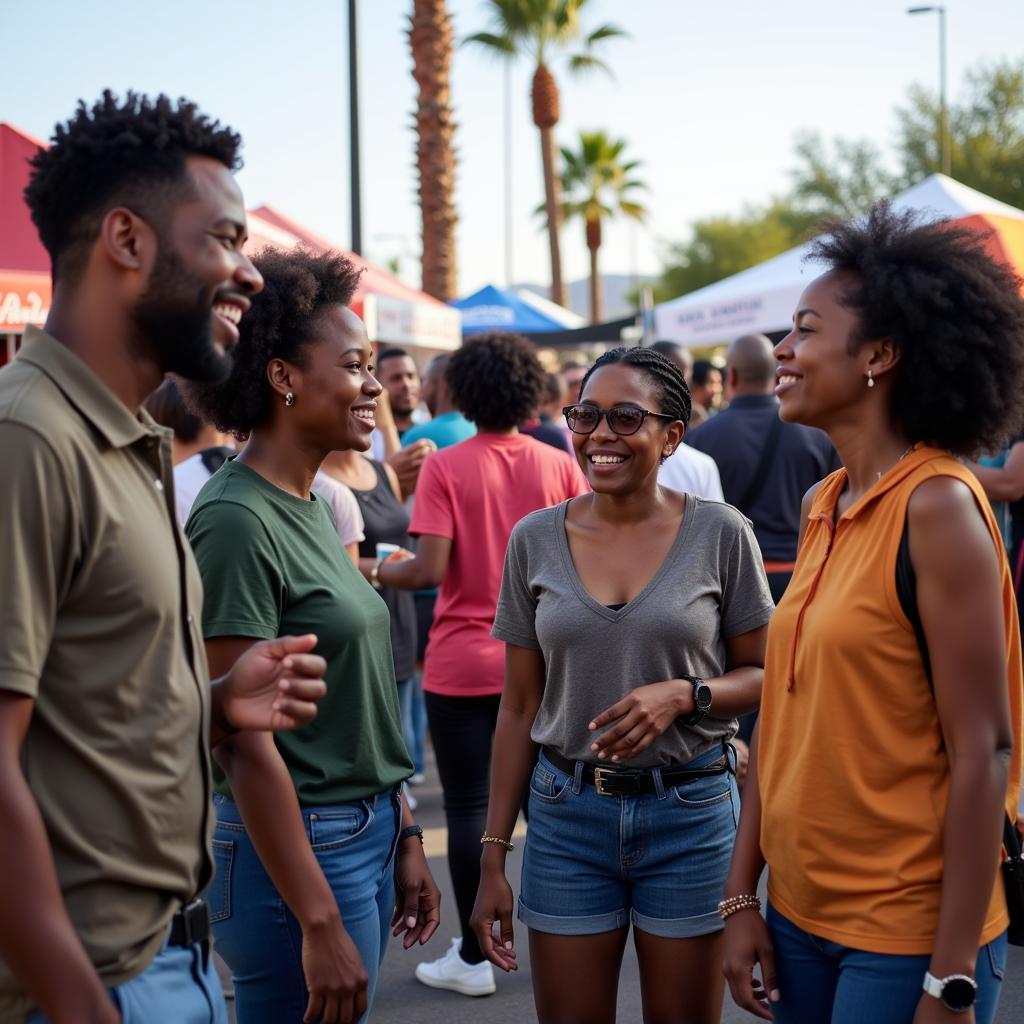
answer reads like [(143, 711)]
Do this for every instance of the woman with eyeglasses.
[(634, 626), (468, 498)]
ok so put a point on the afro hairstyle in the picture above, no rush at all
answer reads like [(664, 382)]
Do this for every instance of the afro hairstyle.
[(117, 153), (954, 314), (496, 380)]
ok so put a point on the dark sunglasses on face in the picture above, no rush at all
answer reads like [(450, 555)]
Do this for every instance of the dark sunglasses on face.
[(622, 419)]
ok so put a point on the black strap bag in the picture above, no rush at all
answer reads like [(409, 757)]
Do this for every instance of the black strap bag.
[(1013, 865)]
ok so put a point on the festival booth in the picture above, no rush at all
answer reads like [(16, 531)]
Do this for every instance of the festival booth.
[(764, 297), (394, 313), (24, 264), (522, 312)]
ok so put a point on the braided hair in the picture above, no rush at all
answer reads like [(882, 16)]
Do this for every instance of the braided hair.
[(673, 394)]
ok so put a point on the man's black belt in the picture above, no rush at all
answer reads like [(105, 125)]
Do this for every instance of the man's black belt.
[(632, 781), (191, 926)]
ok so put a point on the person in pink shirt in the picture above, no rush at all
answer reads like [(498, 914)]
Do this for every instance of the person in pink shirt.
[(468, 499)]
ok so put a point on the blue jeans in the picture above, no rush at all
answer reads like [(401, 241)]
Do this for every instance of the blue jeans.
[(258, 936), (821, 981), (174, 989), (414, 718), (594, 863)]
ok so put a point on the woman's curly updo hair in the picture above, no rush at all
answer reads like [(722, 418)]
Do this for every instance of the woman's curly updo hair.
[(953, 312), (496, 380), (298, 286), (673, 393)]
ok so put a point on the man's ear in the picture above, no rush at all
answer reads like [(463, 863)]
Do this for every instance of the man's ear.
[(126, 239)]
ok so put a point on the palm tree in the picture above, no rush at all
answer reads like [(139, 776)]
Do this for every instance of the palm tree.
[(544, 30), (597, 184), (430, 39)]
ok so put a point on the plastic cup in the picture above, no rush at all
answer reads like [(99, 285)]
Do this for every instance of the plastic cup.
[(387, 550)]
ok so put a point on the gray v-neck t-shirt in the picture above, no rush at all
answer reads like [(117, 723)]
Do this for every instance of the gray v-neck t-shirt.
[(711, 587)]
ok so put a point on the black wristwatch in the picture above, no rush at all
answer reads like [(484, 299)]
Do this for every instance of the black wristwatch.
[(956, 992), (701, 699)]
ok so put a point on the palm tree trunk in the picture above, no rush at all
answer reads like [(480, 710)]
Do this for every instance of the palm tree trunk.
[(544, 94), (430, 39), (596, 284)]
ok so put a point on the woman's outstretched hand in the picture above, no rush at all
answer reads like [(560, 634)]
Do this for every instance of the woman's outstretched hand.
[(640, 718)]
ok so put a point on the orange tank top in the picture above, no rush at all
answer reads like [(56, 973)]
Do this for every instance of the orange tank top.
[(853, 772)]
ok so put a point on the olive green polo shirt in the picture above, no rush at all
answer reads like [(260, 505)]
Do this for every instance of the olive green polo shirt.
[(100, 625)]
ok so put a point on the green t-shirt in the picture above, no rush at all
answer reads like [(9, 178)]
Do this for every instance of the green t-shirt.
[(273, 564)]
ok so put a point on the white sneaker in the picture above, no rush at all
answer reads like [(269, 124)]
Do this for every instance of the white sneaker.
[(451, 972)]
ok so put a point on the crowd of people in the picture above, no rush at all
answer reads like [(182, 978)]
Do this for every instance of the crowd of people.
[(692, 621)]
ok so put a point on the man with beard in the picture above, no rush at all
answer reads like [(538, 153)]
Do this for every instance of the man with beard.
[(106, 709)]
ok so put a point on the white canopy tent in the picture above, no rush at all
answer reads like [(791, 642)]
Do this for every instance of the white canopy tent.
[(763, 298)]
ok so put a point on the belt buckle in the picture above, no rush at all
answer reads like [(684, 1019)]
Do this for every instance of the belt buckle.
[(599, 776)]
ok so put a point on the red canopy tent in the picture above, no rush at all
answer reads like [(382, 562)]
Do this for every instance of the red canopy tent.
[(24, 265), (394, 312)]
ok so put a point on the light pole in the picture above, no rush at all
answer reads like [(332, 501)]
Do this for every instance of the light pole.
[(355, 190), (943, 110)]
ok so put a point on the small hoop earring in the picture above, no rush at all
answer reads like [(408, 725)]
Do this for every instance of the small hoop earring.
[(289, 399), (871, 379)]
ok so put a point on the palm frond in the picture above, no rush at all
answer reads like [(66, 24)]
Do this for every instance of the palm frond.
[(503, 46), (588, 62)]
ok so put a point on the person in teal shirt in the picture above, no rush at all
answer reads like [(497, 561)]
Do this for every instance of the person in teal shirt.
[(447, 425)]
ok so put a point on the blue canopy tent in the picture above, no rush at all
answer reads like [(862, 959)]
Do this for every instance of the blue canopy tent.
[(491, 309)]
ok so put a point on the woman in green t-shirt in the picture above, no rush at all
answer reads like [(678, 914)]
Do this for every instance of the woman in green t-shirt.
[(313, 837)]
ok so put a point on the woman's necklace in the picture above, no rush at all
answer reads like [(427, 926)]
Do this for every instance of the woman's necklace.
[(900, 459)]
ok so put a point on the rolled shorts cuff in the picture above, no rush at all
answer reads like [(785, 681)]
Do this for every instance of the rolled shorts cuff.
[(678, 927), (609, 922)]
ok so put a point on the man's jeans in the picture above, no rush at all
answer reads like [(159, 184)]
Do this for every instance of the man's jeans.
[(174, 989), (822, 981)]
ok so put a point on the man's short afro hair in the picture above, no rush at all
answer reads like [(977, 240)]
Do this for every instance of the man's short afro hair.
[(130, 153), (496, 380), (298, 286), (955, 315)]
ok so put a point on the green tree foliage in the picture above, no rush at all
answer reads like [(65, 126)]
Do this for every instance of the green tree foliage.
[(843, 178), (986, 133), (720, 246), (596, 184)]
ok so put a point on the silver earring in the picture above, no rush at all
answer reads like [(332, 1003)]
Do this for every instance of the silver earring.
[(289, 399), (871, 379)]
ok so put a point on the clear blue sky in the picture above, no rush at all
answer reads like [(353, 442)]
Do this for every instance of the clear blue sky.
[(708, 95)]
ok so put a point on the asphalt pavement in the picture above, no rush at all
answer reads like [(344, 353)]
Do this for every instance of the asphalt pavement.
[(401, 999)]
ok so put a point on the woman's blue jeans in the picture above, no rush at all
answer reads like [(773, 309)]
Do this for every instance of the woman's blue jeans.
[(258, 936), (821, 981)]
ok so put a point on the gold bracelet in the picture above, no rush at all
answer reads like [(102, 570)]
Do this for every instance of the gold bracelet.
[(734, 904), (501, 842)]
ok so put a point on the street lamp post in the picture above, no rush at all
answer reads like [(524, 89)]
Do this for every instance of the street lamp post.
[(943, 109), (355, 189)]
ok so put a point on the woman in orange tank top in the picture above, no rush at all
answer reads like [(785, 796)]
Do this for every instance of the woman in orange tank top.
[(876, 790)]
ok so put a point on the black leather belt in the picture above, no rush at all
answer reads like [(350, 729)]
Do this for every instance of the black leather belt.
[(191, 926), (631, 781)]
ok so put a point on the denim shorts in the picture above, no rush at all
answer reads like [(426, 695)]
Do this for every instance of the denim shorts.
[(594, 863)]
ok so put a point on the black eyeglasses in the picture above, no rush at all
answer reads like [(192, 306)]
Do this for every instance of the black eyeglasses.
[(622, 419)]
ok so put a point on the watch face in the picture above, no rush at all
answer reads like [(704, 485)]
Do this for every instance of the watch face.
[(958, 994), (702, 697)]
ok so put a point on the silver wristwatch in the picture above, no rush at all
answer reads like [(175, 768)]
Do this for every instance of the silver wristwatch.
[(956, 992)]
